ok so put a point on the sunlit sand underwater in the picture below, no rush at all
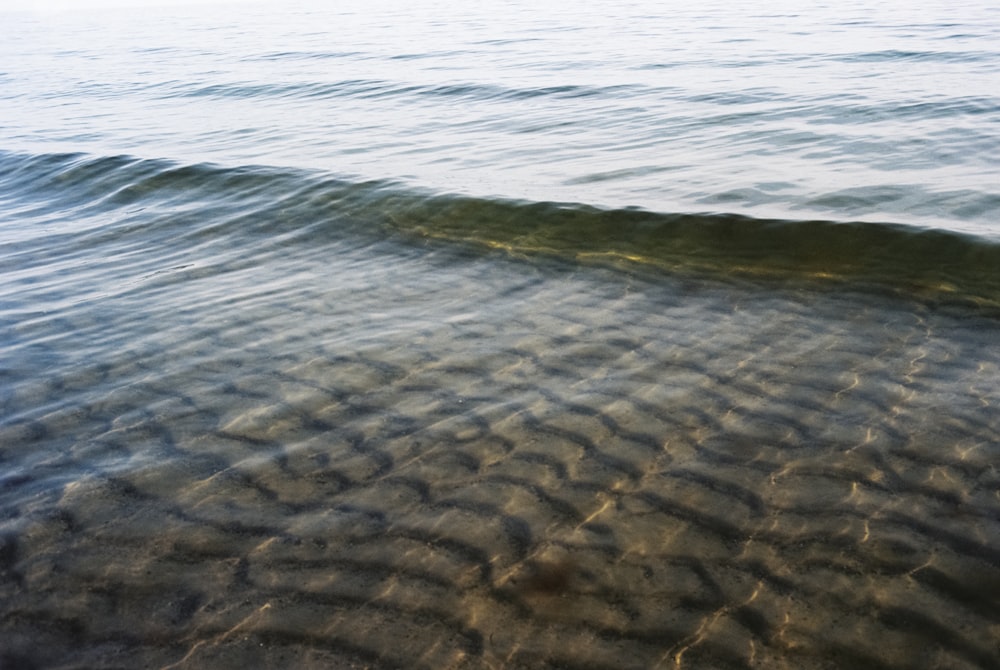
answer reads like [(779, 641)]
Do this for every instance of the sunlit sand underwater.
[(386, 334), (458, 460)]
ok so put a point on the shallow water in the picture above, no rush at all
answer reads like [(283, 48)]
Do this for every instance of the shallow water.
[(729, 474), (274, 395)]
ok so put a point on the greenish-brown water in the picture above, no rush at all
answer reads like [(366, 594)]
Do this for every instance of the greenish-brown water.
[(500, 335), (509, 464)]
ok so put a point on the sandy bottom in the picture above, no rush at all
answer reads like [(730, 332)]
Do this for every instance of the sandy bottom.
[(486, 463)]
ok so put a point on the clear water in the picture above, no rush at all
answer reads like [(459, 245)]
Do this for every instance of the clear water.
[(594, 335)]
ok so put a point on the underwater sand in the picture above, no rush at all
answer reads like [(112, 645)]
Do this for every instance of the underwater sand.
[(509, 465)]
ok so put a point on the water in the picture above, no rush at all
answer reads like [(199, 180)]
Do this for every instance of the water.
[(846, 111), (593, 336)]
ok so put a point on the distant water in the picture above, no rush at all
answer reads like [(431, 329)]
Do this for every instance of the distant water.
[(882, 112), (591, 335)]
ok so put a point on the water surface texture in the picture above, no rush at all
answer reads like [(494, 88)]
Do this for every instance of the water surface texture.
[(624, 335)]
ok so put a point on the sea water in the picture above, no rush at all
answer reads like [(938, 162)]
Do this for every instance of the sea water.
[(592, 335)]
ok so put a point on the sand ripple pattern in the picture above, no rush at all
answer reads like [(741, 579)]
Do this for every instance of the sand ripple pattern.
[(562, 468)]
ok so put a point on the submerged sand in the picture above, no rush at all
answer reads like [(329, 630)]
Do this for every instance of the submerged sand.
[(519, 467)]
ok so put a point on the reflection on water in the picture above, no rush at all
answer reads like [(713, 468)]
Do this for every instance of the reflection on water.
[(479, 462), (848, 110)]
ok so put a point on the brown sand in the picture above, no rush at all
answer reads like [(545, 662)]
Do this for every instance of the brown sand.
[(525, 468)]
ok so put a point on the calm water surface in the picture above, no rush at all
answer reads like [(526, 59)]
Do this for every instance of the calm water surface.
[(844, 111), (592, 335)]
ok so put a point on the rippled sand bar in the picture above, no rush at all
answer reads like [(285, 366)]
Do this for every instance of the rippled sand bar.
[(482, 462)]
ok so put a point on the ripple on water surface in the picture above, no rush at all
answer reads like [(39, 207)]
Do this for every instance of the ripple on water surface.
[(475, 460)]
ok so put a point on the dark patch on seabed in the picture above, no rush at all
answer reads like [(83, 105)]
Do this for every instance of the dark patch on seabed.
[(546, 468)]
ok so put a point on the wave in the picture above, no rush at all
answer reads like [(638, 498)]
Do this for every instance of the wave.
[(380, 88), (893, 55), (306, 207)]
